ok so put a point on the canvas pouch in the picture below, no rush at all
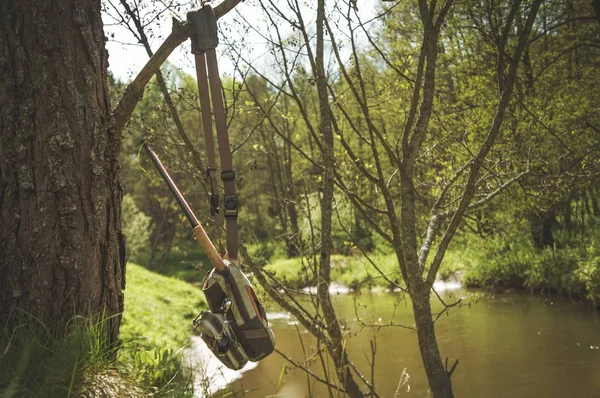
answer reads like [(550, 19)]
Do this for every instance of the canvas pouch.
[(216, 332), (231, 297)]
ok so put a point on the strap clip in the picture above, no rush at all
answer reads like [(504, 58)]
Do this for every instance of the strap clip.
[(209, 170), (214, 204), (227, 175), (231, 206)]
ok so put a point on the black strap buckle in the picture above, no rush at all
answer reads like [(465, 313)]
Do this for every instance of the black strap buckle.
[(227, 175), (231, 206)]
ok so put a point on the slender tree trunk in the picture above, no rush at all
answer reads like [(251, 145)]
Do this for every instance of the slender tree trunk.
[(61, 248), (294, 244), (438, 377), (336, 346), (540, 223), (594, 200)]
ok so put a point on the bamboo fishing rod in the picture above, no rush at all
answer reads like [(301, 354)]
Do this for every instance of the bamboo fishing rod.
[(199, 232)]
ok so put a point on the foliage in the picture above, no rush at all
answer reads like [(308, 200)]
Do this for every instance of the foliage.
[(160, 370), (136, 228), (570, 267), (466, 128)]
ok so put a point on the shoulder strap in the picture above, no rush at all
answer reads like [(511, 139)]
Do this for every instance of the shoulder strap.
[(211, 170), (204, 42)]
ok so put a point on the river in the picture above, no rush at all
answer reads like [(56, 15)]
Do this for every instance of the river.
[(508, 345)]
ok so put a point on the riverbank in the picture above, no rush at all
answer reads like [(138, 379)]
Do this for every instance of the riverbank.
[(378, 272), (155, 327), (571, 270)]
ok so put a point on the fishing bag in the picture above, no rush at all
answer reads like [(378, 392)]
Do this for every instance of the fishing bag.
[(236, 328)]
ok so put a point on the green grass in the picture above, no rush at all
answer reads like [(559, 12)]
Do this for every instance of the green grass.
[(358, 272), (156, 327), (188, 263), (158, 309), (354, 271), (35, 361)]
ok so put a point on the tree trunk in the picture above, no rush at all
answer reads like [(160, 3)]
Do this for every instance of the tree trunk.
[(596, 5), (337, 346), (61, 248), (540, 223), (595, 208)]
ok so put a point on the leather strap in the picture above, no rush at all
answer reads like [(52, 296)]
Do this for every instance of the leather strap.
[(230, 203), (203, 46), (211, 171)]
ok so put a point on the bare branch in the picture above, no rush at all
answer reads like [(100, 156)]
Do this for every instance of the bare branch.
[(486, 146), (163, 88), (308, 371), (134, 91)]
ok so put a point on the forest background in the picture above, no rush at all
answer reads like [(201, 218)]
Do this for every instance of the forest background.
[(533, 218), (390, 148)]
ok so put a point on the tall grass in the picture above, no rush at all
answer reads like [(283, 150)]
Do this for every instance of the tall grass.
[(35, 361), (571, 267)]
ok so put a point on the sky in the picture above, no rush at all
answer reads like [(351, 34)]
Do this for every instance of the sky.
[(127, 57)]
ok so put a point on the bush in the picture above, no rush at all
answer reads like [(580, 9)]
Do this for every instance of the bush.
[(136, 228), (570, 267)]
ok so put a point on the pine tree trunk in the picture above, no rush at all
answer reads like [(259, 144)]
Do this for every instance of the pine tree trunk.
[(61, 248)]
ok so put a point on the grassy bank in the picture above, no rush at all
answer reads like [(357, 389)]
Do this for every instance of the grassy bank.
[(156, 326), (571, 267), (158, 309), (353, 271), (381, 270)]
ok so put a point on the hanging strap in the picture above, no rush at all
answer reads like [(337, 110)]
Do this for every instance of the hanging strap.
[(211, 170), (204, 42)]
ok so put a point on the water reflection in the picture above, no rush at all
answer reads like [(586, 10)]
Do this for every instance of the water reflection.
[(210, 374)]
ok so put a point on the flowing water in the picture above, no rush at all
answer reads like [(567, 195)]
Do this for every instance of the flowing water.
[(508, 345)]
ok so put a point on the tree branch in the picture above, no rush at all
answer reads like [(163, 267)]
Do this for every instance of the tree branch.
[(493, 132), (134, 91)]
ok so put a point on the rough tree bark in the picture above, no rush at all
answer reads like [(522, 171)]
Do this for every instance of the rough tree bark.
[(61, 248)]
